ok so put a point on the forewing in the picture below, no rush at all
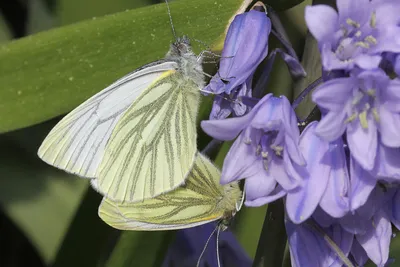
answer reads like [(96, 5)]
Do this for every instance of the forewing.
[(76, 144), (153, 146), (195, 203)]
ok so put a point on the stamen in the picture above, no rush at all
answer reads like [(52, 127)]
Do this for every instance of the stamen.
[(351, 118), (264, 154), (258, 150), (363, 119), (278, 150), (362, 44), (371, 92), (371, 39), (247, 141), (357, 34), (372, 21), (352, 23)]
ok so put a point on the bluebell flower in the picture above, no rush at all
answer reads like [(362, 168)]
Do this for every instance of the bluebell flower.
[(327, 183), (357, 34), (362, 235), (334, 181), (364, 106), (265, 152), (246, 45), (189, 243)]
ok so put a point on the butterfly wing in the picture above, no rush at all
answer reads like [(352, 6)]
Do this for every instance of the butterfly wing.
[(200, 200), (76, 144), (153, 145)]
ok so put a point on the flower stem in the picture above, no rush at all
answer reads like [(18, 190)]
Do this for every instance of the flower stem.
[(272, 242)]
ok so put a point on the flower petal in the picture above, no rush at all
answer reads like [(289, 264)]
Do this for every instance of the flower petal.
[(259, 186), (376, 240), (344, 240), (391, 95), (246, 45), (388, 163), (302, 201), (389, 127), (367, 62), (332, 126), (357, 10), (307, 248), (334, 94), (335, 200), (321, 21), (359, 254), (323, 218), (220, 109), (363, 143), (277, 193), (240, 162), (354, 223), (226, 129), (395, 209), (362, 184)]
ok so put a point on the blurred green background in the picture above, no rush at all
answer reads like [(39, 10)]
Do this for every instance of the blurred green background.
[(47, 217)]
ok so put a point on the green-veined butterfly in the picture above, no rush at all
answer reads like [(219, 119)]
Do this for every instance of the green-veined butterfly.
[(137, 137), (200, 200)]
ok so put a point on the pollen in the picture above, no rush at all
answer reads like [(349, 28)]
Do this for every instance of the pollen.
[(278, 150), (352, 23), (362, 44), (247, 141), (371, 39), (351, 118), (363, 119), (258, 150), (264, 154), (372, 21)]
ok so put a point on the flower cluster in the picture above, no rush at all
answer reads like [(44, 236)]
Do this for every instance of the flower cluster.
[(340, 174)]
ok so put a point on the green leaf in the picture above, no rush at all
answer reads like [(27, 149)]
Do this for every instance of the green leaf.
[(68, 12), (52, 72), (40, 199)]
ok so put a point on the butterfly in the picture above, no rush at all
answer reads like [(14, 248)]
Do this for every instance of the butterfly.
[(137, 137), (200, 200)]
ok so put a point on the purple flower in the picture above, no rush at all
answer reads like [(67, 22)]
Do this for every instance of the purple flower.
[(189, 243), (266, 151), (366, 106), (246, 45), (327, 183), (357, 34), (308, 247), (364, 234)]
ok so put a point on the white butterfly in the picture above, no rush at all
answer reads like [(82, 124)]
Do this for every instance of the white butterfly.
[(137, 137)]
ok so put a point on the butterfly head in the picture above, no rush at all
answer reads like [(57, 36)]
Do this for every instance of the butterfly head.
[(182, 46)]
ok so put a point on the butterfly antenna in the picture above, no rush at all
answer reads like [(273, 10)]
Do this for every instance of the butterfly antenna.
[(205, 246), (170, 19), (218, 231)]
